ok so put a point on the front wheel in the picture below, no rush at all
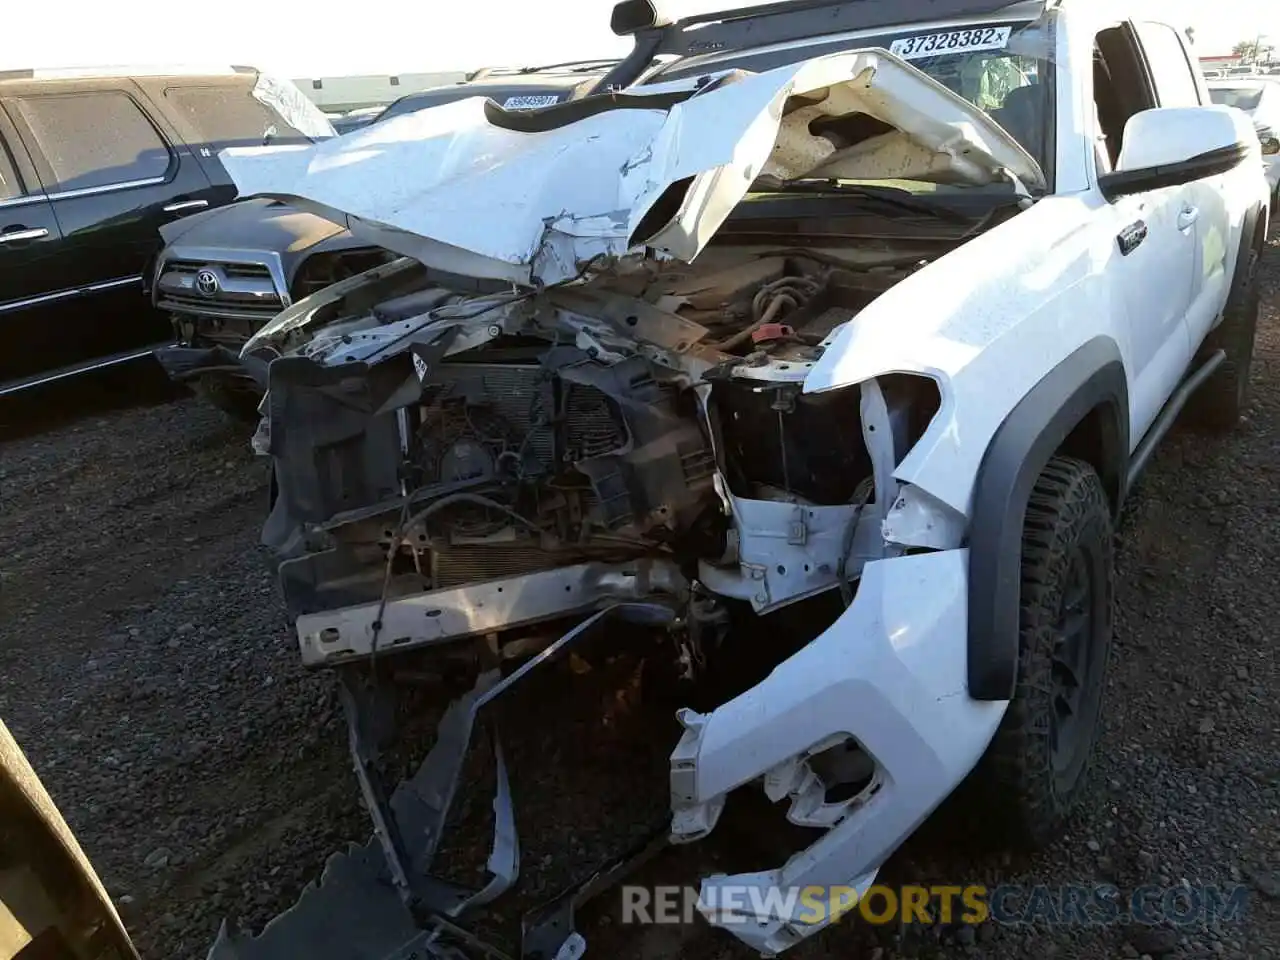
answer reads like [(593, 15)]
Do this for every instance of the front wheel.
[(1037, 766)]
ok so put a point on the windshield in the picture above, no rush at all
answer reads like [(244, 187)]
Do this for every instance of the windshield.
[(1242, 98), (1003, 68)]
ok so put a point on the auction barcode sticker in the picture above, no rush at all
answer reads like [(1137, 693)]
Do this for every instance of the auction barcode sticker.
[(531, 102), (954, 41)]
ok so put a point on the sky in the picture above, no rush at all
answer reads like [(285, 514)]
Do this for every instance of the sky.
[(306, 38)]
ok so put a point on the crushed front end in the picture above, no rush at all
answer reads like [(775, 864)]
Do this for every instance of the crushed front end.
[(556, 431), (488, 484)]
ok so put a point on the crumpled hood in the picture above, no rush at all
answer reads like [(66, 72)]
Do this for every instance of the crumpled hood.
[(537, 197)]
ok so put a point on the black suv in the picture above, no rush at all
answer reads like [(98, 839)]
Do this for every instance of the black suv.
[(226, 273), (91, 166)]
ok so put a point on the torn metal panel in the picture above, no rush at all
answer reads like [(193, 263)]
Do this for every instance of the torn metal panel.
[(877, 436), (789, 551), (504, 859), (917, 519), (461, 188)]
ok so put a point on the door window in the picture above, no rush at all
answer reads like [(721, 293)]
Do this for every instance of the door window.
[(1170, 69), (95, 140), (232, 116), (1119, 91), (9, 186)]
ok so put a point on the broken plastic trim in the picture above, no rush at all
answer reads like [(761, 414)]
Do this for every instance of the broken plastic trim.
[(298, 315), (371, 907), (547, 933), (182, 364)]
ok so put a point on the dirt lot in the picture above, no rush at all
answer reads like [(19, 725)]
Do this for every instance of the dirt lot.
[(147, 667)]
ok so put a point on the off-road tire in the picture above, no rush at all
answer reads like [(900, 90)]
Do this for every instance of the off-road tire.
[(1026, 798), (229, 394), (1220, 402)]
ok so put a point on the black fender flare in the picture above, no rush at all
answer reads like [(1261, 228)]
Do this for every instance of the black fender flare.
[(1248, 233), (1090, 378)]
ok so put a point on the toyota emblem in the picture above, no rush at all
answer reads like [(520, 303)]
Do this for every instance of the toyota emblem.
[(207, 283)]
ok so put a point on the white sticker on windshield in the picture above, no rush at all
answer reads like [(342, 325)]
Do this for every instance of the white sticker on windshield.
[(952, 42), (420, 366), (530, 102)]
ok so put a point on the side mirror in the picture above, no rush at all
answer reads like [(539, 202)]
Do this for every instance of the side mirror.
[(1270, 146), (632, 16), (1170, 146)]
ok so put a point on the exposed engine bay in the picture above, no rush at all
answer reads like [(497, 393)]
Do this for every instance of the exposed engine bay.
[(473, 437), (465, 473)]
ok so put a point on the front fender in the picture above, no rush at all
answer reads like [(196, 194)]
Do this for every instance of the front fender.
[(1257, 217), (986, 321), (1091, 379)]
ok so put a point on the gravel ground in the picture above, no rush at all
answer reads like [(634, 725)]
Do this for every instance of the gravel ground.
[(147, 667)]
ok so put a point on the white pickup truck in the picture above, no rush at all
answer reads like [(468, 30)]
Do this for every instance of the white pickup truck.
[(837, 331), (829, 334)]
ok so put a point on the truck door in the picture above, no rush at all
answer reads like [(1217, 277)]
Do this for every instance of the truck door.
[(1202, 207), (29, 282), (1150, 247), (113, 178)]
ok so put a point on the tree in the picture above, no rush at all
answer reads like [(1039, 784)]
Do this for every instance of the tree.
[(1245, 49), (1252, 51)]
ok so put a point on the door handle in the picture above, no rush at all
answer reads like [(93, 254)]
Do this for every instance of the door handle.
[(186, 205), (16, 236), (1187, 218)]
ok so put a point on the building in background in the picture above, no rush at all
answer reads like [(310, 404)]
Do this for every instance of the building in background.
[(339, 95), (352, 101), (1222, 63)]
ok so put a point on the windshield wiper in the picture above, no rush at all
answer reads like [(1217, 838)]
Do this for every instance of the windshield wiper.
[(890, 197)]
